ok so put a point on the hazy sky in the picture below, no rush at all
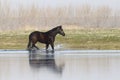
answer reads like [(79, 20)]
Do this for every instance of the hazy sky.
[(115, 4)]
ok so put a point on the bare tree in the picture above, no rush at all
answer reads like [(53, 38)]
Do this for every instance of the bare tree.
[(34, 16), (101, 15)]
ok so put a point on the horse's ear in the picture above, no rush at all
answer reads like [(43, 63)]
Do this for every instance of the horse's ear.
[(60, 26)]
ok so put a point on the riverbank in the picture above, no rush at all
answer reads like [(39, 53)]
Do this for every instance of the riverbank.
[(100, 39)]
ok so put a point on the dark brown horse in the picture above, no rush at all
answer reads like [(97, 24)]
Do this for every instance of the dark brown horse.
[(47, 38)]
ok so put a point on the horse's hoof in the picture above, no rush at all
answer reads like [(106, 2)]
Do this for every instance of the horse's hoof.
[(52, 51), (28, 48), (47, 51)]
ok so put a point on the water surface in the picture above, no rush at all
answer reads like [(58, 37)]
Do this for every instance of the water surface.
[(63, 65)]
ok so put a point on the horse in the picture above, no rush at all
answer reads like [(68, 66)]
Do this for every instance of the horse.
[(47, 38)]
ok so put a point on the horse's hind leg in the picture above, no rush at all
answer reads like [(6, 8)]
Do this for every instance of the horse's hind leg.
[(29, 46), (33, 45), (47, 45), (36, 47)]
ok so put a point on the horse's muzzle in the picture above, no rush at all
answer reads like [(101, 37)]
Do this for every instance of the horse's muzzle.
[(63, 34)]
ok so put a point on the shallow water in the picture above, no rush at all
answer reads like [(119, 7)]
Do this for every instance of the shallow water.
[(63, 65)]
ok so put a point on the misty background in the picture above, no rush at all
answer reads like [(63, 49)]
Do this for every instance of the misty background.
[(37, 14)]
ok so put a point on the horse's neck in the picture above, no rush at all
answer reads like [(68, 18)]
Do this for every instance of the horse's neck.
[(53, 33)]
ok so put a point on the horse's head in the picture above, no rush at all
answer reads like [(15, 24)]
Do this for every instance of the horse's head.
[(60, 30)]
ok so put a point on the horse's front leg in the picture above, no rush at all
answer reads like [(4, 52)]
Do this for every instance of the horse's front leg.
[(52, 45), (51, 41)]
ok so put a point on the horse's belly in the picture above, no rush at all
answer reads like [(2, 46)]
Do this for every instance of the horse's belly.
[(42, 41)]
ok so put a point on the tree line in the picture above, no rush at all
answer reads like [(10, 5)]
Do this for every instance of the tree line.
[(83, 15)]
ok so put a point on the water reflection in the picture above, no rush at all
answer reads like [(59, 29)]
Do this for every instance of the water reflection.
[(39, 60)]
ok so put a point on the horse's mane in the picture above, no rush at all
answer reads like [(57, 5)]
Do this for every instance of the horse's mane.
[(53, 29)]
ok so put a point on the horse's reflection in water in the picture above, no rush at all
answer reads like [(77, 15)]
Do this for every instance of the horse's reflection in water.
[(42, 59)]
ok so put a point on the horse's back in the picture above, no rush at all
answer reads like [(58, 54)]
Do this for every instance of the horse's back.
[(34, 33)]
